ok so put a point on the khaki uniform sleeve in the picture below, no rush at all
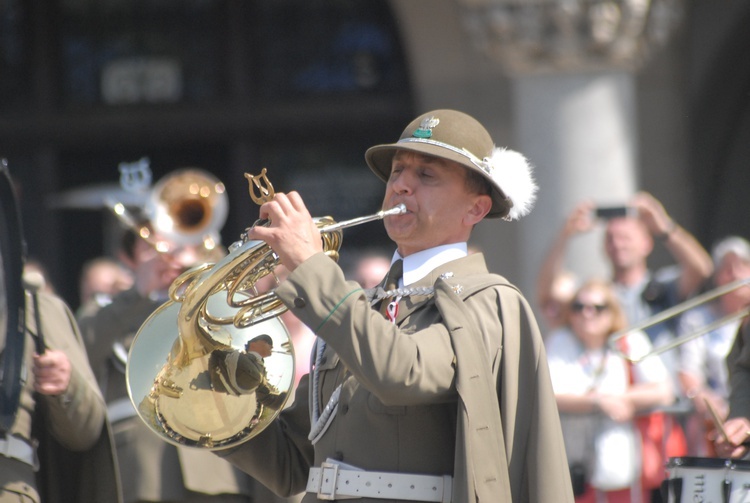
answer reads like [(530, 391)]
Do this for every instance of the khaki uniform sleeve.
[(738, 363), (76, 417)]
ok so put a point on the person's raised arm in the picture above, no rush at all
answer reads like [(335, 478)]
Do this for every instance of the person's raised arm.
[(694, 261), (579, 221)]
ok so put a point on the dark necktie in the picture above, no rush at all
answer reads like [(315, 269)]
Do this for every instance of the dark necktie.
[(391, 283)]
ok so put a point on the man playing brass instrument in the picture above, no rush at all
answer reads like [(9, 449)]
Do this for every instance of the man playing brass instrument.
[(447, 397), (734, 440)]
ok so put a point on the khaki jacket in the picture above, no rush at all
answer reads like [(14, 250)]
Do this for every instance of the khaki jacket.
[(457, 386), (738, 364), (77, 460)]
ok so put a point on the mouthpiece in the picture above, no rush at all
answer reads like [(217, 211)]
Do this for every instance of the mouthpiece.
[(399, 209)]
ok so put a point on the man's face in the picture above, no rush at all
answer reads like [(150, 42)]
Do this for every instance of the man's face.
[(733, 268), (263, 348), (627, 242), (156, 271), (440, 208)]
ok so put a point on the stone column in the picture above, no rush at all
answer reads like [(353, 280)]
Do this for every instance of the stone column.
[(572, 65)]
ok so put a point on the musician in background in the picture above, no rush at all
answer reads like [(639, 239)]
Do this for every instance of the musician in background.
[(101, 279), (55, 443), (703, 370), (434, 385), (151, 469), (737, 425)]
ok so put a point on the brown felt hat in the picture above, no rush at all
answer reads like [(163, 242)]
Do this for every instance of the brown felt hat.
[(458, 137)]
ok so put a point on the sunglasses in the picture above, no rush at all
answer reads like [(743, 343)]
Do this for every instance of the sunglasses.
[(578, 307)]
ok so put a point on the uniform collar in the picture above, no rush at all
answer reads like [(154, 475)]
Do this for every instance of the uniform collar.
[(419, 265)]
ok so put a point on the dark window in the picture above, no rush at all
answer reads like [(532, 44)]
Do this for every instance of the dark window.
[(327, 46), (141, 52), (14, 57)]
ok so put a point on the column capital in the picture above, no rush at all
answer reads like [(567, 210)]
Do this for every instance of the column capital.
[(552, 36)]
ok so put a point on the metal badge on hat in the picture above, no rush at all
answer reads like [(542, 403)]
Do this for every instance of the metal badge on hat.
[(425, 127)]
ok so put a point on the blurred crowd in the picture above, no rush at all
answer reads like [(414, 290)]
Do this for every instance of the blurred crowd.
[(639, 358)]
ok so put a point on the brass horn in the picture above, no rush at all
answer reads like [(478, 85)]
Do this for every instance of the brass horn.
[(188, 206), (189, 388), (676, 311)]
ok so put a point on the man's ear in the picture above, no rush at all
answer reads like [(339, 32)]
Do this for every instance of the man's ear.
[(482, 205)]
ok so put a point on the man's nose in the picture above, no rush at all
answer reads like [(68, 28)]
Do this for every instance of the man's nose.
[(403, 183)]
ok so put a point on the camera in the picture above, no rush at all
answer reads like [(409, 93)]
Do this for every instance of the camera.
[(607, 212)]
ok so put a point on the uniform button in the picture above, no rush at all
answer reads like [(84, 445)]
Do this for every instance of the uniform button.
[(344, 408), (299, 302), (338, 456)]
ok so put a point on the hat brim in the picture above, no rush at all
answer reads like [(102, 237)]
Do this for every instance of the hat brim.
[(380, 158)]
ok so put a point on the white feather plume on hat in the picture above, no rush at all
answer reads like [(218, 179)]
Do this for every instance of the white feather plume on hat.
[(512, 172)]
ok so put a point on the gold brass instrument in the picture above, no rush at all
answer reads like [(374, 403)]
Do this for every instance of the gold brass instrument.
[(216, 309), (677, 310), (188, 206)]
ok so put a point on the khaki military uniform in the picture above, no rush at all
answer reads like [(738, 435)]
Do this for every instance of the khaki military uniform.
[(458, 386), (75, 449), (738, 364), (152, 469)]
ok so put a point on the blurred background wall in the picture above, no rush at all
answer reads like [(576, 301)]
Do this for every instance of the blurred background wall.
[(604, 97)]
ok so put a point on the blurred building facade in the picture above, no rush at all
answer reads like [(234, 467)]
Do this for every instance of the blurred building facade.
[(604, 97)]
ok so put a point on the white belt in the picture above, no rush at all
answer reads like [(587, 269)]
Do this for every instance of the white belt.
[(120, 409), (15, 448), (337, 481)]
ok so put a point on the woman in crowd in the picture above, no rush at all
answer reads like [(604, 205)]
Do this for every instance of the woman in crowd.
[(599, 393)]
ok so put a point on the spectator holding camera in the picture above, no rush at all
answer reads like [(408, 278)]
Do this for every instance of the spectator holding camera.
[(628, 243)]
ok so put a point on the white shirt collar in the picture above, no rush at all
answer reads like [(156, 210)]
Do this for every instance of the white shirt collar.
[(420, 264)]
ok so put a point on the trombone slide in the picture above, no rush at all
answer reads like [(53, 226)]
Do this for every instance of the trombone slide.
[(676, 311)]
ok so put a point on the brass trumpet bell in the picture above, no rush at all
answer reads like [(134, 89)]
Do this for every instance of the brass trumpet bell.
[(188, 206)]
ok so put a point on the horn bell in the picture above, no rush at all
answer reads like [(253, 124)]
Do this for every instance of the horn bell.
[(181, 385)]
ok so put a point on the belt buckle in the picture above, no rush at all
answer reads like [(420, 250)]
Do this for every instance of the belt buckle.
[(329, 474)]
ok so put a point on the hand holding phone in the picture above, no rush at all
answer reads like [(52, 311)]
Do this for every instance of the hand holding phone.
[(607, 212)]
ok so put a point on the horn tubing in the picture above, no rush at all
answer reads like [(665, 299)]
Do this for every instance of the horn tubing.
[(399, 209), (679, 309)]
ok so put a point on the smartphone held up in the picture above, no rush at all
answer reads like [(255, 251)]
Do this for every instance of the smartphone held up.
[(608, 212)]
